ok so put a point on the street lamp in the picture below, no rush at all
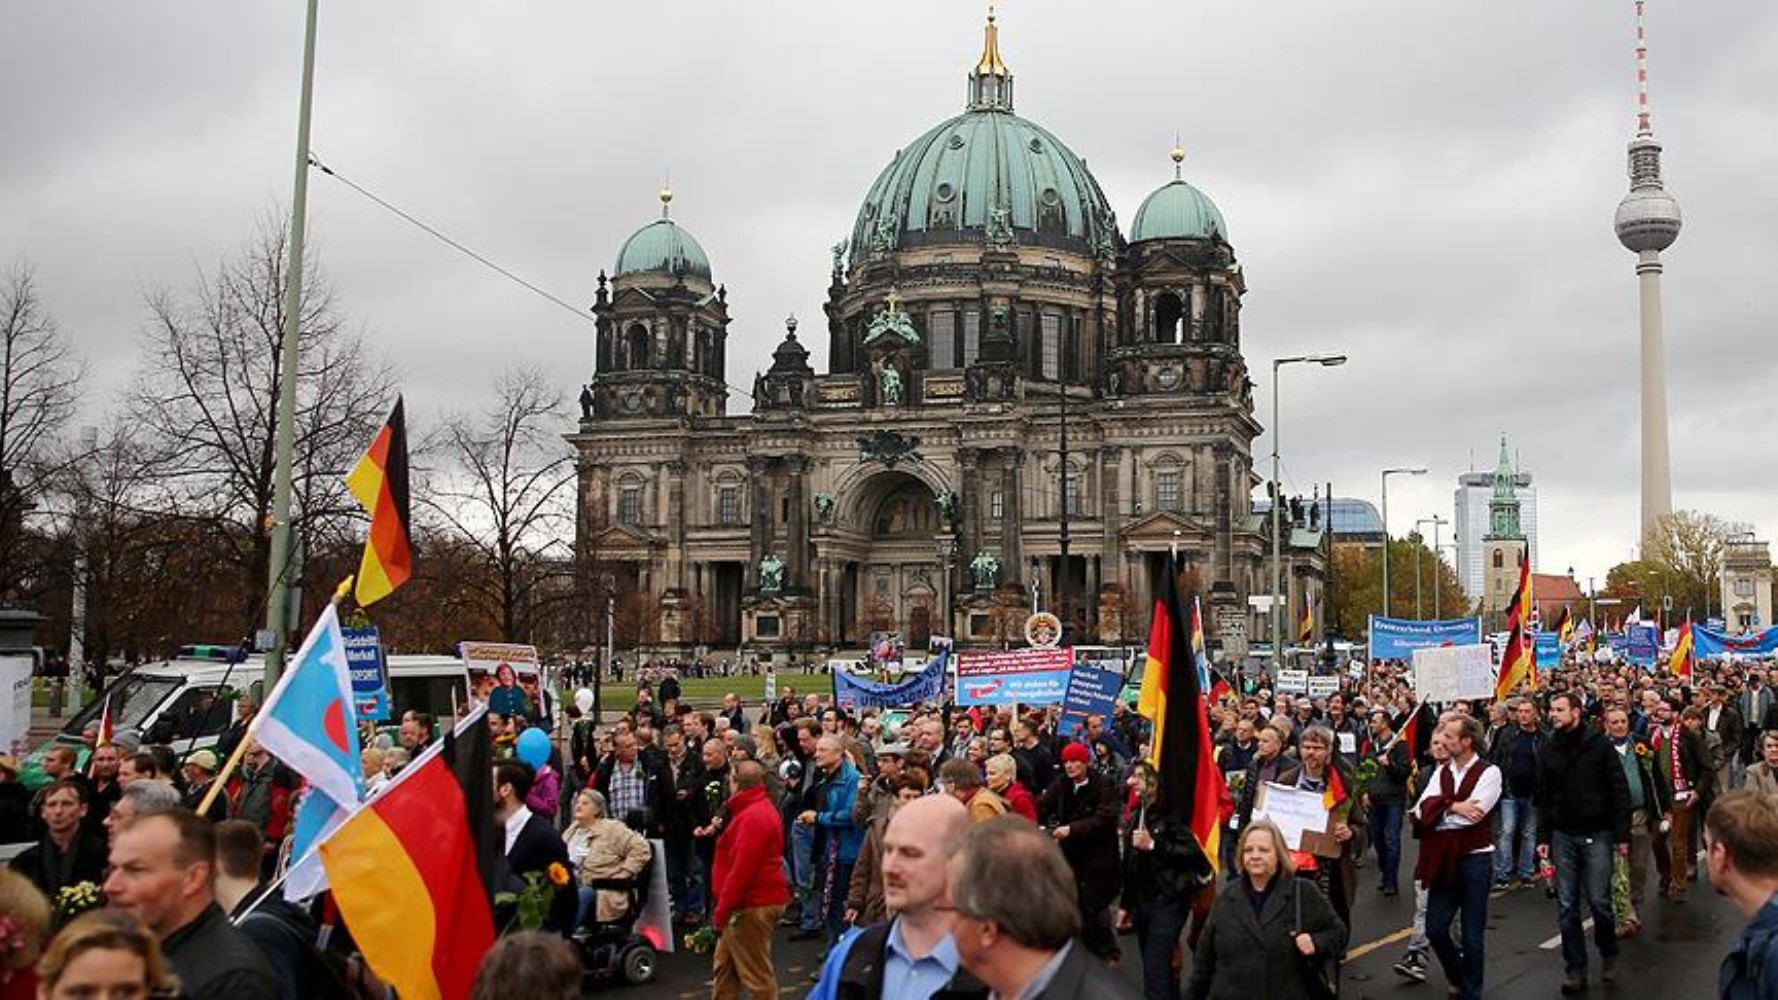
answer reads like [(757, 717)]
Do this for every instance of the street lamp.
[(947, 554), (1404, 471), (1436, 521), (1277, 608)]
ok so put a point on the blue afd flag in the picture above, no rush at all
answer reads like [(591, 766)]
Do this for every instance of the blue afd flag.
[(309, 721)]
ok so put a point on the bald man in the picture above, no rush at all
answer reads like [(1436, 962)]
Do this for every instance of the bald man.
[(914, 950)]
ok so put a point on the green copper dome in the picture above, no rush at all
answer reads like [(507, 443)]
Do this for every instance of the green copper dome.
[(662, 247), (986, 175), (1178, 211)]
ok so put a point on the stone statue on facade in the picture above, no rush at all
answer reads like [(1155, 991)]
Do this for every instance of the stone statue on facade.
[(824, 505), (839, 257), (947, 505), (999, 232), (586, 402), (889, 381), (986, 570), (771, 574)]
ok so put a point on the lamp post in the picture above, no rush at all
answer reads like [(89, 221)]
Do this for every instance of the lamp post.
[(1404, 471), (947, 554), (1277, 608), (1436, 522), (1439, 552)]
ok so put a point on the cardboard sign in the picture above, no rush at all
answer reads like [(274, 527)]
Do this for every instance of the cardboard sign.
[(1307, 825), (1447, 673), (1293, 682), (1321, 687)]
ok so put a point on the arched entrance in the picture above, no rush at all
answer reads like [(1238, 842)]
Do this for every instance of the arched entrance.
[(897, 579)]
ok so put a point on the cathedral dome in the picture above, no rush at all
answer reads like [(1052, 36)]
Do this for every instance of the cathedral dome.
[(1178, 211), (986, 175), (662, 247)]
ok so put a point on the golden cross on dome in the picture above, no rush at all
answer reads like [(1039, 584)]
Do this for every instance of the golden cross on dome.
[(893, 303)]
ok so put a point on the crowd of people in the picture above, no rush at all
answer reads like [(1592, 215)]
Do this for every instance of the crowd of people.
[(787, 813)]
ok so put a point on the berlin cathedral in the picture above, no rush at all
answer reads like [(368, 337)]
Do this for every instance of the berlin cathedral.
[(1023, 404)]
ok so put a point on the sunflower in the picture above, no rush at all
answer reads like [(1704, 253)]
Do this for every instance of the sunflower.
[(558, 874)]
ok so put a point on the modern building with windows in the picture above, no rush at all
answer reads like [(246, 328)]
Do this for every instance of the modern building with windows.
[(1018, 398), (1475, 491)]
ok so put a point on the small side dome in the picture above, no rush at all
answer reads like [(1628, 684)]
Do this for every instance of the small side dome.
[(1178, 211), (662, 247)]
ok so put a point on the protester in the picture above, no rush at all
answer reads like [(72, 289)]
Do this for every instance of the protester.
[(102, 772), (67, 853), (1080, 811), (105, 953), (1583, 819), (750, 888), (914, 950), (262, 792), (1003, 780), (1165, 876), (1763, 775), (1015, 927), (685, 770), (638, 791), (608, 850), (962, 780), (1385, 797), (1453, 815), (530, 965), (1270, 934), (1741, 859), (24, 926), (1683, 759), (532, 844), (284, 932), (837, 839), (200, 775), (140, 799), (1650, 801), (864, 897), (163, 871), (1515, 754)]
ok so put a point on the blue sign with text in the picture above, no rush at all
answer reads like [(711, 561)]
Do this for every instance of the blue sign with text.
[(1397, 638), (1091, 691), (370, 676)]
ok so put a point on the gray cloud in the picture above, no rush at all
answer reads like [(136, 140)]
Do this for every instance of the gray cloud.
[(1428, 187)]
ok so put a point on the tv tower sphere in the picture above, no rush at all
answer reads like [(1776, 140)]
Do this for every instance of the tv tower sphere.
[(1648, 218)]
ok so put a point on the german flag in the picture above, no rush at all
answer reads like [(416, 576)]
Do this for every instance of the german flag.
[(1518, 663), (379, 481), (1416, 730), (410, 870), (1565, 627), (1680, 665), (1335, 792), (1191, 787), (1306, 634)]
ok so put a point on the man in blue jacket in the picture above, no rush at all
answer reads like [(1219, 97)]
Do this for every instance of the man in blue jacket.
[(837, 838), (1741, 855)]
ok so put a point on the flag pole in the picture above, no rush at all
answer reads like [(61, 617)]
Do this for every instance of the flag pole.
[(234, 759)]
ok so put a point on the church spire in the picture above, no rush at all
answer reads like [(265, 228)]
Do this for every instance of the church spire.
[(990, 83), (1503, 506)]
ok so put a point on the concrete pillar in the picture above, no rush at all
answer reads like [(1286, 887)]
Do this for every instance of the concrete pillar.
[(1657, 472)]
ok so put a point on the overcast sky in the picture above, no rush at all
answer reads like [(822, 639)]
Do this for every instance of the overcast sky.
[(1427, 187)]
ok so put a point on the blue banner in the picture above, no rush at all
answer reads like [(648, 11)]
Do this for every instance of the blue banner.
[(1709, 643), (1397, 638), (1547, 650), (370, 676), (853, 692), (1031, 676), (1092, 690), (1643, 644)]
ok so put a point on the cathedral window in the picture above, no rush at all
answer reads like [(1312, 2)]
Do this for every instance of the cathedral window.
[(942, 328), (1166, 489), (1743, 587), (629, 505), (1071, 492), (997, 506), (636, 344), (1499, 559), (1169, 319), (972, 335), (1052, 346), (728, 505)]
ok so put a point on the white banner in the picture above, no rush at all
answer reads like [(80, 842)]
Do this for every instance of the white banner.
[(15, 713), (1321, 687), (1293, 681), (1443, 674)]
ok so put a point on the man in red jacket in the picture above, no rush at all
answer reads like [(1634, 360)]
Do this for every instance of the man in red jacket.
[(750, 889)]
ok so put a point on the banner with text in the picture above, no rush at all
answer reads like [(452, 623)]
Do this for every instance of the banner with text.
[(1397, 638), (1709, 643), (1643, 644), (1444, 674), (1033, 676), (1092, 690), (370, 675), (1547, 650), (851, 691)]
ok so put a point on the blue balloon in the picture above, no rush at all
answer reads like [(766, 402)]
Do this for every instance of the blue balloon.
[(533, 747)]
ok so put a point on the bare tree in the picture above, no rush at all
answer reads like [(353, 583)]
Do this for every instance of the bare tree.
[(503, 486), (40, 378), (206, 402)]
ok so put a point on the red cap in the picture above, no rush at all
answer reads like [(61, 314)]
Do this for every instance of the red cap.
[(1077, 752)]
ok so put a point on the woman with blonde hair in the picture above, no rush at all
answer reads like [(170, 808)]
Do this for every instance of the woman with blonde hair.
[(104, 953), (24, 924), (1270, 933)]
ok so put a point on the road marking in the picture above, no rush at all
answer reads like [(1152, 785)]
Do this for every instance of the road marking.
[(1355, 953), (1556, 942)]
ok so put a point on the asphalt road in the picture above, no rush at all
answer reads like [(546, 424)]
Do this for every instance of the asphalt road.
[(1675, 957)]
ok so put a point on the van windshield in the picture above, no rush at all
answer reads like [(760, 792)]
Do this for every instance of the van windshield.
[(133, 697)]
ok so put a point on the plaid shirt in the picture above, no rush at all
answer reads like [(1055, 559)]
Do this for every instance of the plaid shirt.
[(628, 791)]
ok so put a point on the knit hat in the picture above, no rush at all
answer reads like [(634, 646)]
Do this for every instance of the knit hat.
[(203, 760), (1077, 752)]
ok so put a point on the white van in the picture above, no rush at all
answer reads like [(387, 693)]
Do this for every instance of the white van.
[(188, 701)]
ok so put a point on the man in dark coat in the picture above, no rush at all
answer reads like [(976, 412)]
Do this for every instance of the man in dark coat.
[(68, 853), (532, 843), (1080, 810)]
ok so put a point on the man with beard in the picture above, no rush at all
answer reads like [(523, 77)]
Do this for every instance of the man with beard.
[(914, 951), (1080, 811), (1583, 816)]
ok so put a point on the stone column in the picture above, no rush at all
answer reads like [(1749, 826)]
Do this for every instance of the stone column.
[(760, 535), (969, 524), (1012, 566), (675, 554), (796, 560)]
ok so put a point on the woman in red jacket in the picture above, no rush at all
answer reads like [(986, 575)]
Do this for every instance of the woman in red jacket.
[(750, 888), (1003, 780)]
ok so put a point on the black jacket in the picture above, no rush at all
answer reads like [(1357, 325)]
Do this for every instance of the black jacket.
[(1083, 977), (658, 794), (861, 971), (1090, 812), (1506, 747), (538, 846), (1389, 786), (87, 863), (217, 961), (1172, 871), (1580, 786), (1242, 955)]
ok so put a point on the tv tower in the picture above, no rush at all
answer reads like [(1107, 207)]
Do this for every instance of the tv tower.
[(1648, 222)]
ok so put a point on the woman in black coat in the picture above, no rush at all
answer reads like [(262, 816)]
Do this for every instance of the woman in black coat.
[(1165, 874), (1268, 930)]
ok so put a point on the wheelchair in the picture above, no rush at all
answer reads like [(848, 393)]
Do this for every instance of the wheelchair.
[(614, 949)]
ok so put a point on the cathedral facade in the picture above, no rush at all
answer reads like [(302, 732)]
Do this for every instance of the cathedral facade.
[(1022, 404)]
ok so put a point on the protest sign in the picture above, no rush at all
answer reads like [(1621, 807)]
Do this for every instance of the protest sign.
[(1546, 650), (1296, 812), (1710, 643), (851, 691), (1033, 676), (1397, 638), (1293, 682), (1644, 644), (505, 675), (1092, 690), (370, 677), (15, 712), (1321, 687), (1447, 673)]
